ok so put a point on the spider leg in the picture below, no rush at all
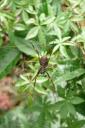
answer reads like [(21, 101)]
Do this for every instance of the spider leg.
[(35, 78), (50, 56), (36, 50), (51, 80)]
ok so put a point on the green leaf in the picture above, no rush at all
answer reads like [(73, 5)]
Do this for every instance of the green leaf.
[(63, 51), (45, 7), (66, 38), (77, 100), (48, 21), (3, 3), (71, 109), (71, 75), (66, 109), (61, 91), (32, 33), (42, 38), (58, 31), (30, 21), (25, 17), (55, 48), (8, 59), (1, 41), (20, 27), (42, 17), (41, 80), (31, 10), (78, 124), (41, 90), (25, 46)]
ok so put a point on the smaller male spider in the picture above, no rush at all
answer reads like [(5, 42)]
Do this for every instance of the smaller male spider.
[(43, 60)]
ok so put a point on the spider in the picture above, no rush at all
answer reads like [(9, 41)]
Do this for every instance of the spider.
[(43, 60)]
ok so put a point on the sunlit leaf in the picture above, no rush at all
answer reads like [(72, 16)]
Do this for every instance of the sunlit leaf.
[(32, 33)]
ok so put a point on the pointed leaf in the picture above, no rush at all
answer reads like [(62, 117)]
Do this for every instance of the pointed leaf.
[(56, 48), (32, 33), (77, 100), (41, 90)]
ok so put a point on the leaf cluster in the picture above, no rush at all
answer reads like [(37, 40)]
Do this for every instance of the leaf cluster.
[(56, 28)]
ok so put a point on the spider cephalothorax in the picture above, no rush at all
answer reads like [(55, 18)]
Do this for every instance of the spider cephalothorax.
[(43, 64)]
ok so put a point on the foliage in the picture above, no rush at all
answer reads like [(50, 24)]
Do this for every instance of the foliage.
[(56, 29)]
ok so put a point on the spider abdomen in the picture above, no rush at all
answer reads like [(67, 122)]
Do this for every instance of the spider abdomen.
[(44, 61)]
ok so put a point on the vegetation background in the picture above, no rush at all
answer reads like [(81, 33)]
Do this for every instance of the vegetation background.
[(51, 28)]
